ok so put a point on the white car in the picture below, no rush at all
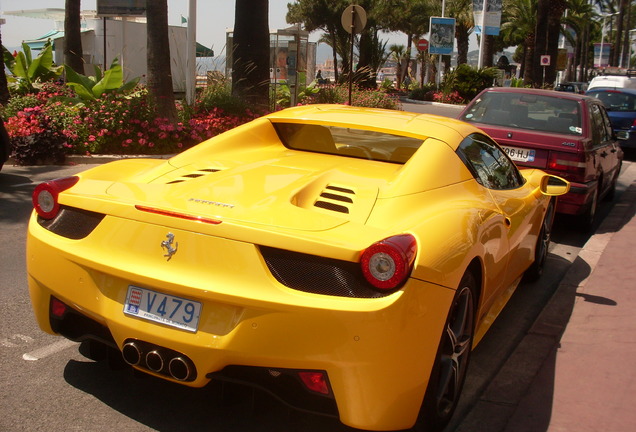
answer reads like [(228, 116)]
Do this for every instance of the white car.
[(614, 81)]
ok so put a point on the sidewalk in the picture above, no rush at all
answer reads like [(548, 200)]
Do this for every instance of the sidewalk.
[(575, 369)]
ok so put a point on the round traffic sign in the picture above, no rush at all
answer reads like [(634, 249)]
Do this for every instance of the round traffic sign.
[(422, 44), (354, 18)]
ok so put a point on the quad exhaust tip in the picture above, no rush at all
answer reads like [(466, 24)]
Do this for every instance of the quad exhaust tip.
[(159, 360)]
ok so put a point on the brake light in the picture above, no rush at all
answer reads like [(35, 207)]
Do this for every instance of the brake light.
[(58, 309), (569, 163), (388, 263), (315, 381), (45, 196)]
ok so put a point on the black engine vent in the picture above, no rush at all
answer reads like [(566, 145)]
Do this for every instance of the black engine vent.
[(72, 223), (336, 198), (318, 275), (196, 174)]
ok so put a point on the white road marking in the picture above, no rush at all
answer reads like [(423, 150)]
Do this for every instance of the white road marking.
[(15, 339), (48, 350)]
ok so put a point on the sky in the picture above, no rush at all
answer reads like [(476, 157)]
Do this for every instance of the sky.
[(214, 17)]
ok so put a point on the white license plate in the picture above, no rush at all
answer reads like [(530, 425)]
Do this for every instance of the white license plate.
[(520, 155), (162, 308)]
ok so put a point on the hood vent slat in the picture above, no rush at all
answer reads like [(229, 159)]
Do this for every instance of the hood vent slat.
[(336, 198), (195, 174)]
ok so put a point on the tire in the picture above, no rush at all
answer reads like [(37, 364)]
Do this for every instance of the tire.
[(535, 271), (611, 193), (453, 355), (587, 219)]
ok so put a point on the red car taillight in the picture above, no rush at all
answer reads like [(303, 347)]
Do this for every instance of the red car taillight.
[(388, 263), (567, 163), (45, 196), (315, 381)]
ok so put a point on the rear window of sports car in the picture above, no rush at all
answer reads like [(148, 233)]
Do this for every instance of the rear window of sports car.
[(349, 142)]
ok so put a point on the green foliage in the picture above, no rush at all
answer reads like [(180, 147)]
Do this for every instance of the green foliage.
[(90, 88), (283, 94), (359, 97), (28, 74), (19, 103), (34, 140), (423, 93), (218, 95), (468, 81)]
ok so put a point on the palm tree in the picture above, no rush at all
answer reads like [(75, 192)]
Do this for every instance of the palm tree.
[(250, 57), (462, 11), (580, 15), (396, 54), (158, 60), (73, 37), (518, 29)]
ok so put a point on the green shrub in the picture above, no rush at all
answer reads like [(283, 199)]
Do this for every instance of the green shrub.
[(423, 93), (34, 139), (468, 81), (219, 95), (359, 97)]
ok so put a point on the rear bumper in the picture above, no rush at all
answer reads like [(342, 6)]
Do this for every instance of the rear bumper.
[(250, 338)]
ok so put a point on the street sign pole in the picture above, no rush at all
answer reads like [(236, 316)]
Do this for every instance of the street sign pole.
[(353, 20), (351, 40)]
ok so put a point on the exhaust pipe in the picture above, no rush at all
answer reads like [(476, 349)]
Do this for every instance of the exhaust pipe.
[(180, 368), (158, 359), (154, 361), (131, 353)]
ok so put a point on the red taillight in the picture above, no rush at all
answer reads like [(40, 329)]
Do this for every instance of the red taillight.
[(570, 163), (388, 263), (315, 381), (45, 196), (58, 309)]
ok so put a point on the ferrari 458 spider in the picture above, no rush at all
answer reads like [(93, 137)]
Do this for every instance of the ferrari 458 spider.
[(344, 259)]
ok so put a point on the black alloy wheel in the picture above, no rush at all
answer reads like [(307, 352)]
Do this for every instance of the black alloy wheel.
[(449, 372), (535, 271)]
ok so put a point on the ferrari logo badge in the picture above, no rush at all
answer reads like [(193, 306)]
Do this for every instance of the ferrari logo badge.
[(167, 245)]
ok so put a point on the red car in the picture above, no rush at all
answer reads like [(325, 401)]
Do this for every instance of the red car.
[(565, 134)]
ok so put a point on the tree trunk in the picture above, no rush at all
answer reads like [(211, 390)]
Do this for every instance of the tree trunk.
[(461, 34), (4, 89), (555, 12), (540, 42), (528, 65), (250, 68), (73, 37), (158, 60)]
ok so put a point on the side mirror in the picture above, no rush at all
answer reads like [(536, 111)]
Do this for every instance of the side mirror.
[(552, 185)]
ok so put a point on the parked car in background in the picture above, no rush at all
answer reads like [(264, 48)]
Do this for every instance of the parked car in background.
[(571, 87), (621, 108), (344, 259), (614, 80), (565, 134)]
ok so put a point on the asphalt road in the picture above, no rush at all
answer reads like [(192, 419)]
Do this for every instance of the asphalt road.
[(48, 385)]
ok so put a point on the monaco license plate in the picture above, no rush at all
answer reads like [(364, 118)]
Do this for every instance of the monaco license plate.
[(519, 155), (162, 308)]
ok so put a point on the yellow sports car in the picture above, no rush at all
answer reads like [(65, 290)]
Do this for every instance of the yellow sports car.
[(344, 259)]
